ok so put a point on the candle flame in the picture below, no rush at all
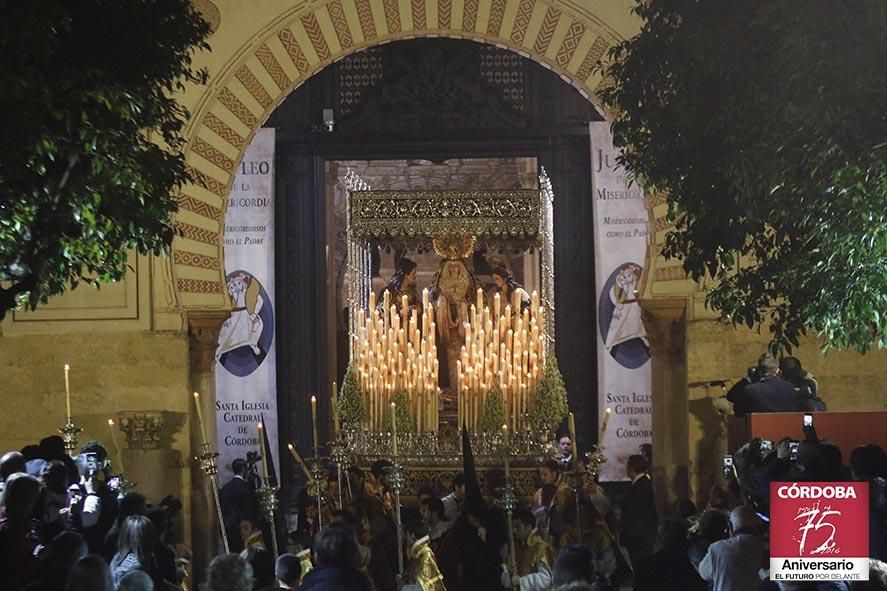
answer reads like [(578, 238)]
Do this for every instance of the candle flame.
[(290, 446), (110, 422), (608, 411), (67, 367), (196, 396), (260, 426), (314, 399)]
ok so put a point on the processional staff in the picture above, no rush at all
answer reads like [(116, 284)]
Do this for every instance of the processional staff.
[(509, 500), (268, 492), (208, 461)]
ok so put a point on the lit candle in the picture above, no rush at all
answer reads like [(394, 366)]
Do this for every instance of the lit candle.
[(200, 418), (604, 426), (264, 451), (116, 447), (573, 432), (67, 393), (335, 405), (299, 460), (314, 424), (507, 452), (393, 429)]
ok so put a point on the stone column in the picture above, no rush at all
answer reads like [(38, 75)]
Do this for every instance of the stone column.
[(666, 324), (203, 336), (144, 458)]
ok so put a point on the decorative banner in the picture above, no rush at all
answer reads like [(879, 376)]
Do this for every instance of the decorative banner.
[(246, 372), (819, 531), (620, 246)]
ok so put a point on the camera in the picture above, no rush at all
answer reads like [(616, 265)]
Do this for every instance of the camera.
[(92, 463), (728, 466), (793, 450), (114, 483)]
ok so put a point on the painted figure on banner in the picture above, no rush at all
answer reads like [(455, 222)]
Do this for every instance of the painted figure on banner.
[(247, 333), (620, 317)]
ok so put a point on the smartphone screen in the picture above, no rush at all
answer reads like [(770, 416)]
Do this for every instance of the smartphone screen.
[(766, 446), (808, 420), (793, 450)]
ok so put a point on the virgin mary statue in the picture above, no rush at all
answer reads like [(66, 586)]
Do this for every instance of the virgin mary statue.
[(452, 289)]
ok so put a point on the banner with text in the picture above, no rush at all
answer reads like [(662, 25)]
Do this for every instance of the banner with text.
[(246, 368), (623, 360)]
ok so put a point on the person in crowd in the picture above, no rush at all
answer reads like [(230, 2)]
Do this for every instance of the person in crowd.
[(288, 570), (765, 391), (163, 554), (136, 581), (573, 565), (434, 515), (53, 448), (646, 450), (733, 564), (639, 521), (712, 525), (718, 498), (549, 497), (250, 535), (805, 384), (10, 463), (336, 562), (453, 502), (533, 555), (565, 447), (95, 534), (133, 503), (347, 517), (380, 483), (65, 550), (877, 578), (868, 463), (238, 501), (262, 563), (53, 510), (425, 492), (229, 572), (669, 568), (18, 535), (135, 549), (382, 534), (91, 573)]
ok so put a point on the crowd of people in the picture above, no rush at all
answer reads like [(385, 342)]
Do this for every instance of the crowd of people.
[(66, 525)]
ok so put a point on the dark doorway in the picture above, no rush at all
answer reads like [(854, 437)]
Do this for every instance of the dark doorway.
[(430, 99)]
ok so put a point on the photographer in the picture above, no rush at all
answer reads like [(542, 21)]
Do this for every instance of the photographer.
[(96, 459), (85, 505), (764, 391)]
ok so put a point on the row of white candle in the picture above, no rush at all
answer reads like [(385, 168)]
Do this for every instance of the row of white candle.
[(395, 351), (503, 350)]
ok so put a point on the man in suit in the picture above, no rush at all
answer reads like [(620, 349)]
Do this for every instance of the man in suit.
[(639, 519), (238, 501), (769, 393)]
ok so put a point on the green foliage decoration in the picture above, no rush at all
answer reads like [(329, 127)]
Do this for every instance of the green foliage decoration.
[(764, 125), (350, 398), (550, 406), (402, 413), (92, 155), (493, 416)]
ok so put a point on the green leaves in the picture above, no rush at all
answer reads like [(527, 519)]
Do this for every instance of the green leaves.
[(80, 183), (761, 123)]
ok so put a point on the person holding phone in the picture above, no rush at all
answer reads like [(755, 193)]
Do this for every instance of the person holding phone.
[(769, 394)]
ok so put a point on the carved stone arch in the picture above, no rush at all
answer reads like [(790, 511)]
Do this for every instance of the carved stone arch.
[(566, 36)]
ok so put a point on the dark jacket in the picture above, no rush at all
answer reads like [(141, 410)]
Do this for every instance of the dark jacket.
[(237, 501), (668, 569), (335, 578), (769, 394), (639, 521)]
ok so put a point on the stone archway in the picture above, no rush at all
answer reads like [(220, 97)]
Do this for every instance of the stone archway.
[(567, 36)]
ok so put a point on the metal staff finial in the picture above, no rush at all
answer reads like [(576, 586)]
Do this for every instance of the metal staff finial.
[(208, 461)]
